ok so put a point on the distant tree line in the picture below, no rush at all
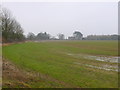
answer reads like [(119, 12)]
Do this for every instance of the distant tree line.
[(10, 28), (12, 31), (45, 36), (76, 36), (103, 37), (39, 36)]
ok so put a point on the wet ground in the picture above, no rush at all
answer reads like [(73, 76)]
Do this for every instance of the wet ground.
[(108, 67), (103, 67), (98, 58)]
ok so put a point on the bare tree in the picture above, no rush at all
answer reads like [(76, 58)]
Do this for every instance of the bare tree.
[(78, 35), (61, 36), (31, 36), (11, 29), (43, 36)]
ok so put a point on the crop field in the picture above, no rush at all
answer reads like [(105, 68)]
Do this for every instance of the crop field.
[(62, 64)]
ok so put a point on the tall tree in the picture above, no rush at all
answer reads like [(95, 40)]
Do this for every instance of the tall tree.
[(43, 36), (77, 35), (31, 36), (61, 36), (11, 29)]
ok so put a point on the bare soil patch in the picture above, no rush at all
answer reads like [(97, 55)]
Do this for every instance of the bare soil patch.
[(14, 76), (7, 44)]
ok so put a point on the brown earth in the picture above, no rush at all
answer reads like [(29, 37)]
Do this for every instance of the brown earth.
[(0, 72), (14, 76), (6, 44)]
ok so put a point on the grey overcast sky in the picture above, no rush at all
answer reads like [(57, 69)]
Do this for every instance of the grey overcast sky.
[(66, 17)]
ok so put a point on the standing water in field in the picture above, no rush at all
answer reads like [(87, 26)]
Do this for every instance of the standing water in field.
[(107, 67), (105, 59), (98, 58), (103, 67)]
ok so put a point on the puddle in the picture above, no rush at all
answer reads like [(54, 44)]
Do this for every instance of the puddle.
[(107, 67), (103, 67), (105, 59), (98, 58)]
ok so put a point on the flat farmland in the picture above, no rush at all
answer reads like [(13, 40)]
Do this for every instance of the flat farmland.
[(62, 64)]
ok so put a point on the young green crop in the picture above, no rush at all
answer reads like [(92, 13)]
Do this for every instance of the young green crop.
[(51, 58)]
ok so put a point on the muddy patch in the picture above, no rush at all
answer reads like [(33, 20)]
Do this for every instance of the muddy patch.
[(107, 67), (103, 67), (111, 59), (105, 59)]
